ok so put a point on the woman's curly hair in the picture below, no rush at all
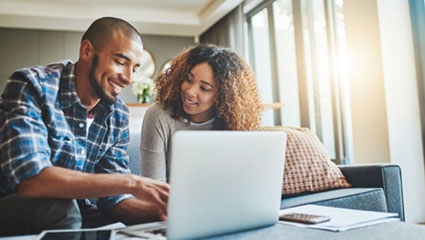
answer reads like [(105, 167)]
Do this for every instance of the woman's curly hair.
[(238, 105)]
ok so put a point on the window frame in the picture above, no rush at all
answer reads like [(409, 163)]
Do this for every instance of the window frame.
[(274, 71), (417, 15), (342, 156)]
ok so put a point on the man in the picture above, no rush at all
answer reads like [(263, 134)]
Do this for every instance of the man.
[(64, 135)]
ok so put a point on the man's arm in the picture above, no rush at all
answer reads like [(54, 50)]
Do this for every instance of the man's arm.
[(115, 160), (150, 196)]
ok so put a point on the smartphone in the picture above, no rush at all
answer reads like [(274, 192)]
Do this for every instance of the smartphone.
[(304, 218)]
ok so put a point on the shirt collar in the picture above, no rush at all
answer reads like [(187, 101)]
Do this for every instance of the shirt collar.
[(68, 90)]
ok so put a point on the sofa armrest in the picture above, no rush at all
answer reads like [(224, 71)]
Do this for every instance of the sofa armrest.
[(385, 176)]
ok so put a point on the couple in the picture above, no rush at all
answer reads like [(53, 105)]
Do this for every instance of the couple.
[(64, 132)]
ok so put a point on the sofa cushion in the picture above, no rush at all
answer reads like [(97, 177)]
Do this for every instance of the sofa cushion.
[(372, 199), (308, 167), (134, 152)]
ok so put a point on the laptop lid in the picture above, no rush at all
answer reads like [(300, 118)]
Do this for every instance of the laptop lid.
[(224, 181)]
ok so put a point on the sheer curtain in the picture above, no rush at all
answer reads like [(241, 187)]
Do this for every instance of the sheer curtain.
[(228, 32)]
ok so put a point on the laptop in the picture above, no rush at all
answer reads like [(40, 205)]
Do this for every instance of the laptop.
[(221, 182)]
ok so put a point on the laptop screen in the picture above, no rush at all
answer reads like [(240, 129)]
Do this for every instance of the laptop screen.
[(224, 181)]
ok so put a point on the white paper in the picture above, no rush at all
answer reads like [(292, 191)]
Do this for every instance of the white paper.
[(341, 218), (112, 226)]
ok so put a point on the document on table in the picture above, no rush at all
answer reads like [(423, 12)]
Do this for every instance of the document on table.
[(341, 218)]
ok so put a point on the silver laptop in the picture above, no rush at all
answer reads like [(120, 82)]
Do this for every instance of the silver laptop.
[(222, 182)]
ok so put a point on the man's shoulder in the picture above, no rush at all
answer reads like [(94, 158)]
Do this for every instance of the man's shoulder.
[(41, 73), (42, 77)]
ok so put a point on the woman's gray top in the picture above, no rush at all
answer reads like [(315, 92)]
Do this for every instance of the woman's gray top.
[(157, 131)]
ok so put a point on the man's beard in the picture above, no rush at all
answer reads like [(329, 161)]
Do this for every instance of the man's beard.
[(100, 92)]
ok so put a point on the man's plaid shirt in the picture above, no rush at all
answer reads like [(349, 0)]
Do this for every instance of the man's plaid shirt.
[(43, 123)]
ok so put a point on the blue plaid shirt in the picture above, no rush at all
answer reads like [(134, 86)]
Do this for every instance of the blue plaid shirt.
[(43, 123)]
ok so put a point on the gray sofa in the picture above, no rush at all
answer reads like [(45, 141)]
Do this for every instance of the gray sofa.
[(375, 187)]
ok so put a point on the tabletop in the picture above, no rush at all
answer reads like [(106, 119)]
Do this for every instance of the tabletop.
[(384, 231)]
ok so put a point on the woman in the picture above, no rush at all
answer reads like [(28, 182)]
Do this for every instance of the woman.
[(205, 88)]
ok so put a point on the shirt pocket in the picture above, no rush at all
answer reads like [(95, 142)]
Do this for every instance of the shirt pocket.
[(63, 150)]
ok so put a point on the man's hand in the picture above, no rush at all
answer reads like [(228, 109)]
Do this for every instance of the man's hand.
[(153, 191), (150, 203)]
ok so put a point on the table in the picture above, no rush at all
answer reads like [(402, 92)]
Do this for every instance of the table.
[(383, 231), (26, 237)]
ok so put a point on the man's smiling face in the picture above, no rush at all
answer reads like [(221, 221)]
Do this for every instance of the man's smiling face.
[(113, 66)]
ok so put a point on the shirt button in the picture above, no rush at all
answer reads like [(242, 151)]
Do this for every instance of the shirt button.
[(83, 152), (81, 125)]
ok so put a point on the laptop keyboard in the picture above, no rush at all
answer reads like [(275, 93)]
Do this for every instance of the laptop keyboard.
[(153, 234), (158, 232)]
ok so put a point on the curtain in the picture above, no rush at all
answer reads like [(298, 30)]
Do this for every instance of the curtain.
[(228, 32)]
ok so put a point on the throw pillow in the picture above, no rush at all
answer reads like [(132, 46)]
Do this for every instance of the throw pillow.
[(308, 167)]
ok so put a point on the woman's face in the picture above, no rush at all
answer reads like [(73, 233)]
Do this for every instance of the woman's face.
[(199, 92)]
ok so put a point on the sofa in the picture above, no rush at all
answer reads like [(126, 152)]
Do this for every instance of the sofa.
[(375, 187)]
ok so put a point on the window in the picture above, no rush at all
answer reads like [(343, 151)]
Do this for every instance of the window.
[(417, 13), (286, 62), (297, 50), (259, 32)]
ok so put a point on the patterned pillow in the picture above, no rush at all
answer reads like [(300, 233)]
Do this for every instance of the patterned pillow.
[(308, 167)]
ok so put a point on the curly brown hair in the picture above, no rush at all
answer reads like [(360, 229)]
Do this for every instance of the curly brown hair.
[(238, 105)]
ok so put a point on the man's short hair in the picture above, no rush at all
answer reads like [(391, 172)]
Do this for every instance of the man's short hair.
[(100, 31)]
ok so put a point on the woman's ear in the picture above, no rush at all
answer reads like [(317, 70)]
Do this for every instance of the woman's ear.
[(86, 50)]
